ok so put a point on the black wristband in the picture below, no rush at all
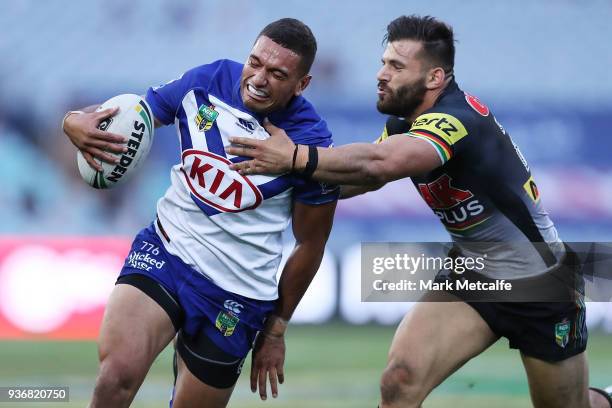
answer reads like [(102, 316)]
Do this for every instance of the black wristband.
[(313, 161), (295, 152)]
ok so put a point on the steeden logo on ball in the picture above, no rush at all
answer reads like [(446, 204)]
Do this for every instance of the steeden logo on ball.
[(134, 121)]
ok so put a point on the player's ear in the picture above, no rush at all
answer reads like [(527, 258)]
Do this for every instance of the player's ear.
[(302, 84), (435, 78)]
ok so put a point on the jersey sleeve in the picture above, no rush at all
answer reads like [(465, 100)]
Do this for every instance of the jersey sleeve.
[(384, 135), (166, 99), (313, 192), (444, 131)]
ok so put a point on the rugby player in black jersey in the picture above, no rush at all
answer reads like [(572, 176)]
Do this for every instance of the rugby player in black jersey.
[(468, 170)]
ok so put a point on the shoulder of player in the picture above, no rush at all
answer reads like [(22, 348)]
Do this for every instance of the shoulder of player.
[(395, 125), (302, 123), (223, 70), (218, 78), (451, 122), (464, 107)]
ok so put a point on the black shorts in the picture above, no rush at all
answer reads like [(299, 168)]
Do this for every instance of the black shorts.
[(550, 331), (552, 328)]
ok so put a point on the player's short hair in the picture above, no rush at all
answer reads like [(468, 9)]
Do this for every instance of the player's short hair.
[(435, 35), (295, 36)]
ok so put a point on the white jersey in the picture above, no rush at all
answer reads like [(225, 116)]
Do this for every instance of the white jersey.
[(226, 226)]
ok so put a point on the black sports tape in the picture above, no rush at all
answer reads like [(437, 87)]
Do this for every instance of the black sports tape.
[(313, 161)]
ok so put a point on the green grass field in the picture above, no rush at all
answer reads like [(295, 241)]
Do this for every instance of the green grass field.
[(333, 366)]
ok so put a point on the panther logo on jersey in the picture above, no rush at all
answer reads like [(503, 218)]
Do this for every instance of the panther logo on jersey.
[(478, 106)]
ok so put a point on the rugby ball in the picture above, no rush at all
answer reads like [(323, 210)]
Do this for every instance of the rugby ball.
[(134, 121)]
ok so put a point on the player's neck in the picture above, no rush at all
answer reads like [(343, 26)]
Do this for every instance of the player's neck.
[(430, 99)]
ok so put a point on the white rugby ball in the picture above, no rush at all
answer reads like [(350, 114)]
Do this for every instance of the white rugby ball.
[(134, 121)]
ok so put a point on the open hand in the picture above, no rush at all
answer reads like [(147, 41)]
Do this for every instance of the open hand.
[(271, 156), (268, 359)]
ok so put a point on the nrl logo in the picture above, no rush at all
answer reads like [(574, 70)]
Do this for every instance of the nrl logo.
[(206, 117), (562, 330), (226, 323)]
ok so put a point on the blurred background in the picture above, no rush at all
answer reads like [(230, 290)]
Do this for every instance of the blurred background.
[(542, 67)]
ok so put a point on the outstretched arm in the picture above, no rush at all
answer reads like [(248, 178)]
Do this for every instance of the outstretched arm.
[(349, 191), (397, 157), (311, 227)]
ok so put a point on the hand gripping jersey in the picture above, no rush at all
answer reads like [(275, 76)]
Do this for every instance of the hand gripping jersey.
[(226, 226), (484, 192)]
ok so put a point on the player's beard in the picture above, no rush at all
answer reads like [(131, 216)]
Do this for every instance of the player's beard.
[(403, 101)]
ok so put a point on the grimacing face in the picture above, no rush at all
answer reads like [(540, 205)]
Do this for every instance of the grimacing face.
[(401, 79), (271, 77)]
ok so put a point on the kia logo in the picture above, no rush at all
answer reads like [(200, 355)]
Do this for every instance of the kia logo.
[(212, 181)]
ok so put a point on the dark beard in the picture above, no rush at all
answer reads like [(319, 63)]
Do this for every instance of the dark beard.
[(404, 101)]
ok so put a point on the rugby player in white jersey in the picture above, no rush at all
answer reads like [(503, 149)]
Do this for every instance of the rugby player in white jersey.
[(205, 270)]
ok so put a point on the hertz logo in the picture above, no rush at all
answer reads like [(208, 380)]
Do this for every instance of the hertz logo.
[(442, 125)]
